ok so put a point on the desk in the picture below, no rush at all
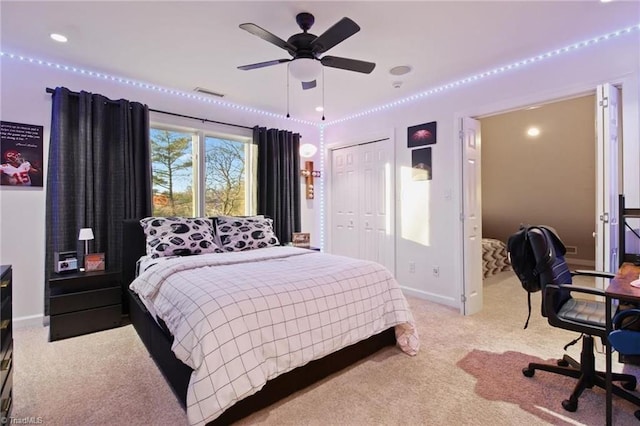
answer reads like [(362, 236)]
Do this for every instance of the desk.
[(619, 289)]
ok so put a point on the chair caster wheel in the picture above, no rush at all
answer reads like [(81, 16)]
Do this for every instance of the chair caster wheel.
[(562, 363), (629, 385), (528, 372), (569, 405)]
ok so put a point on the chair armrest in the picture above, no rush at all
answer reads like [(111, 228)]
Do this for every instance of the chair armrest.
[(573, 288), (589, 273), (554, 299)]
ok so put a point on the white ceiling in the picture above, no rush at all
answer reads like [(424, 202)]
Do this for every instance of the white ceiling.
[(183, 45)]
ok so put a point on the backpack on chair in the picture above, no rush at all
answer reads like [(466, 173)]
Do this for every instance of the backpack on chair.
[(524, 262)]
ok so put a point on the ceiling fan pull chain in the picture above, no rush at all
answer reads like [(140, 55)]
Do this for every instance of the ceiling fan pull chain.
[(288, 91), (323, 94)]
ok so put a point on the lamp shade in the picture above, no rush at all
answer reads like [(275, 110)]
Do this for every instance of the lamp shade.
[(305, 69), (85, 234), (308, 150)]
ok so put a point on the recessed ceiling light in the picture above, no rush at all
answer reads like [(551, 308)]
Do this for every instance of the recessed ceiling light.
[(533, 132), (319, 109), (400, 70), (58, 37)]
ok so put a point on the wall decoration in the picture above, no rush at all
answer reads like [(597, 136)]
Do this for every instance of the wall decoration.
[(20, 154), (301, 239), (94, 262), (422, 134), (421, 164)]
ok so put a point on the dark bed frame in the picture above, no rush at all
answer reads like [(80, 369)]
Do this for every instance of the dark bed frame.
[(158, 342)]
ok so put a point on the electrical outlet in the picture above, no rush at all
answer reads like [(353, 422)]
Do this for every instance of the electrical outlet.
[(412, 267), (436, 271)]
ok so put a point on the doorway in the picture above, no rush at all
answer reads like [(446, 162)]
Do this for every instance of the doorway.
[(525, 167)]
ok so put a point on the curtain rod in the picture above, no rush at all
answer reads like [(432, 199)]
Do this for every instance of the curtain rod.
[(50, 90), (200, 119)]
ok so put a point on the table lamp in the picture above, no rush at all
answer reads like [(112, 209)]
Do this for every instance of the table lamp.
[(85, 235)]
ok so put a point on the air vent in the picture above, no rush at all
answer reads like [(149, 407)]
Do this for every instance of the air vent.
[(571, 249), (208, 92)]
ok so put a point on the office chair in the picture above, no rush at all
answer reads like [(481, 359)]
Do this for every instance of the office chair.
[(564, 311), (625, 337)]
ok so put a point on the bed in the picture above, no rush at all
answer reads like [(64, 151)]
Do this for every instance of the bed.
[(494, 257), (230, 361)]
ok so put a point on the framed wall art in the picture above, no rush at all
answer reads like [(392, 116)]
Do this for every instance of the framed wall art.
[(422, 134), (421, 168), (21, 154)]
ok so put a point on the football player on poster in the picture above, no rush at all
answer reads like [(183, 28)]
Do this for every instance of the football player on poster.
[(16, 170)]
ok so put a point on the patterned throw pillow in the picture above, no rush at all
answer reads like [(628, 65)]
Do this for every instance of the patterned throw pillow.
[(245, 233), (181, 236)]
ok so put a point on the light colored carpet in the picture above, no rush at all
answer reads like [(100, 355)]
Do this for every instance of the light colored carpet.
[(468, 372)]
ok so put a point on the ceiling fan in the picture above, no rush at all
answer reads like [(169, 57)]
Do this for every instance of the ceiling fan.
[(305, 49)]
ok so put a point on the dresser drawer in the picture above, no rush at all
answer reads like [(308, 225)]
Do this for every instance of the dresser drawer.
[(6, 396), (5, 329), (82, 300), (6, 364), (5, 286), (83, 322)]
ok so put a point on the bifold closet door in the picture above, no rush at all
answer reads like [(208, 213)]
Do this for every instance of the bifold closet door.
[(362, 202), (345, 202)]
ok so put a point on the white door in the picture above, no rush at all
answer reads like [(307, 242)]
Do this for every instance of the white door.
[(607, 175), (471, 216), (362, 182), (344, 201), (376, 237)]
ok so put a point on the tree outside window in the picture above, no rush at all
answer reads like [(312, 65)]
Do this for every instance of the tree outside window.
[(225, 178)]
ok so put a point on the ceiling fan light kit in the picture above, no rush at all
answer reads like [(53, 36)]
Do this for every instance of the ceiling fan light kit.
[(305, 69)]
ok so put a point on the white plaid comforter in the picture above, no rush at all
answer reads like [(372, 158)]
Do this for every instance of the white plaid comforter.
[(242, 318)]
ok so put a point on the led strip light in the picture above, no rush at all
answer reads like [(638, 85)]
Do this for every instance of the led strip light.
[(321, 126)]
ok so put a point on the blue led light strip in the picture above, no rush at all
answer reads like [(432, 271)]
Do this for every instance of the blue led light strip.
[(494, 71), (322, 208), (139, 84), (426, 93)]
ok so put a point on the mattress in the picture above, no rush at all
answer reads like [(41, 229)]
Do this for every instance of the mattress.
[(240, 319)]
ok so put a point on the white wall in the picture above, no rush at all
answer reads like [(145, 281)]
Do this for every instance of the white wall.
[(22, 211), (437, 205), (23, 99)]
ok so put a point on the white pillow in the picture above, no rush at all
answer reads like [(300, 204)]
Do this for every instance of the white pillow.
[(245, 233), (181, 236)]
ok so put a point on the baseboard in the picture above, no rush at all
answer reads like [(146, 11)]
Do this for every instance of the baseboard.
[(30, 321), (580, 262), (429, 296)]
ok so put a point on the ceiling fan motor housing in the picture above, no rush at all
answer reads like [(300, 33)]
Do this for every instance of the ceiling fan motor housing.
[(302, 42), (305, 20)]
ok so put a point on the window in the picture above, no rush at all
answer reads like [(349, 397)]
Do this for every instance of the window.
[(222, 183)]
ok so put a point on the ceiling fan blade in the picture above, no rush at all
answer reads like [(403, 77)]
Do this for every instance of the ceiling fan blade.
[(339, 32), (263, 64), (348, 64), (271, 38), (308, 85)]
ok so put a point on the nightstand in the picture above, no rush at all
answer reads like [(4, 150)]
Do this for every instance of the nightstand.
[(83, 302)]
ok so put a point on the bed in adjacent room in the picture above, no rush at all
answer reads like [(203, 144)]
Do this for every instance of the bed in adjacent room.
[(236, 321), (494, 257)]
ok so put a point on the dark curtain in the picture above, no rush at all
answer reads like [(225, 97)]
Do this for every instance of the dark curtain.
[(279, 179), (99, 173)]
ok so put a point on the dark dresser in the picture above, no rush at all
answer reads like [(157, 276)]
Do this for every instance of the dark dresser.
[(84, 302), (6, 339)]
